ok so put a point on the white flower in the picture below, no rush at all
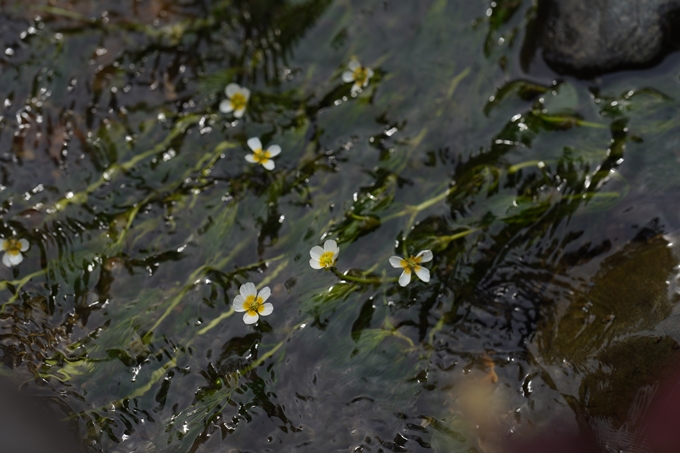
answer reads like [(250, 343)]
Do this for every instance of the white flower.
[(358, 74), (252, 303), (412, 264), (13, 249), (237, 99), (260, 156), (324, 258)]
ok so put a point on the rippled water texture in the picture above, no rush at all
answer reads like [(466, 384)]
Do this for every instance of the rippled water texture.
[(549, 204)]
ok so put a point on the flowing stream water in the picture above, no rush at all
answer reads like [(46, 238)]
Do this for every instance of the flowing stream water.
[(549, 204)]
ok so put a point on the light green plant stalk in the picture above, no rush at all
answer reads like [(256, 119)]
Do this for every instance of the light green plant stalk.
[(191, 281), (17, 285), (413, 210), (361, 280), (116, 168)]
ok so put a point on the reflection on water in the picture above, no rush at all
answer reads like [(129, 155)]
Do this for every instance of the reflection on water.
[(128, 165)]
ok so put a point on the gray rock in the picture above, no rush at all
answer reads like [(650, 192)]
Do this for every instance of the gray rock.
[(591, 37)]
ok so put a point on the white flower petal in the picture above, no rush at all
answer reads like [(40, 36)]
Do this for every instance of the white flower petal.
[(246, 93), (265, 293), (248, 289), (315, 263), (354, 64), (347, 77), (15, 259), (238, 303), (395, 261), (274, 150), (426, 256), (225, 106), (251, 158), (24, 244), (267, 309), (7, 262), (3, 243), (316, 252), (254, 143), (269, 165), (232, 89), (355, 88), (239, 113), (369, 73), (405, 277), (331, 246), (423, 274), (250, 319)]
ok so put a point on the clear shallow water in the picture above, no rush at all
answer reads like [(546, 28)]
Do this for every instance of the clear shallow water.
[(557, 298)]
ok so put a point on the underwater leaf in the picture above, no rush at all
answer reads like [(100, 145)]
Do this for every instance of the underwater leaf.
[(183, 431), (564, 99), (525, 90)]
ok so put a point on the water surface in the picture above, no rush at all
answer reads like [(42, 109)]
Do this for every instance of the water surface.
[(549, 203)]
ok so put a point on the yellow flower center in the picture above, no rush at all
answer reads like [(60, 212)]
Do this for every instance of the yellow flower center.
[(327, 259), (238, 101), (411, 263), (360, 75), (261, 157), (12, 246), (253, 305)]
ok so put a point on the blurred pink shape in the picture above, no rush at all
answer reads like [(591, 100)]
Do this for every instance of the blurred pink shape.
[(663, 418)]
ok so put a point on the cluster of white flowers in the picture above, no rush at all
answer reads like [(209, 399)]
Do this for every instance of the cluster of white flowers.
[(13, 249), (253, 303), (326, 257), (249, 300), (237, 102)]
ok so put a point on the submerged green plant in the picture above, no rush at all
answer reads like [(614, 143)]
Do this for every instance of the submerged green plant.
[(148, 221)]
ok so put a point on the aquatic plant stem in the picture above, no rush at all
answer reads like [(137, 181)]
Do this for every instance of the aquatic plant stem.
[(529, 163), (571, 120), (413, 210), (271, 352), (446, 240), (81, 197), (216, 321), (361, 280), (191, 281), (158, 374), (19, 284), (396, 333)]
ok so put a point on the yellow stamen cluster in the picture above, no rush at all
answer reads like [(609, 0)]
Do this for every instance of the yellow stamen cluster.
[(261, 156), (327, 259), (12, 246), (253, 305), (360, 75), (238, 101), (411, 264)]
